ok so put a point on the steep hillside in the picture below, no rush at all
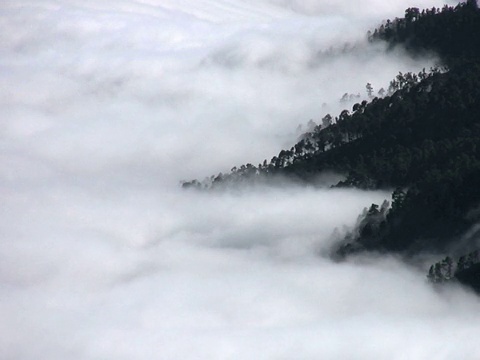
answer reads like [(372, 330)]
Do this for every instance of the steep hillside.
[(421, 138)]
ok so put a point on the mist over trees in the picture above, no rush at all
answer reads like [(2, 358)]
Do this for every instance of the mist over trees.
[(106, 105), (419, 137)]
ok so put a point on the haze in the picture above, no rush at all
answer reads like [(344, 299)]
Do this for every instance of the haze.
[(108, 105)]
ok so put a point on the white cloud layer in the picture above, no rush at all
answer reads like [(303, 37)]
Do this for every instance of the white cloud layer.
[(106, 105)]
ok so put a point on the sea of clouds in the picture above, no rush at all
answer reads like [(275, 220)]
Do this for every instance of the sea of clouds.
[(108, 105)]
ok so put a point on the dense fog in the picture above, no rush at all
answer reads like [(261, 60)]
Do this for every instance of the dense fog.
[(108, 105)]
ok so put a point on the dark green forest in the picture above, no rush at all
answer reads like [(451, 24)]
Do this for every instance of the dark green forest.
[(420, 137)]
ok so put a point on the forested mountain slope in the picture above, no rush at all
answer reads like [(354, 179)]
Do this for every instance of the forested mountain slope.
[(422, 139)]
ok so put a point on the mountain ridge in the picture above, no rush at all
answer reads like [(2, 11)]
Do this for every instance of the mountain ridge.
[(420, 139)]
